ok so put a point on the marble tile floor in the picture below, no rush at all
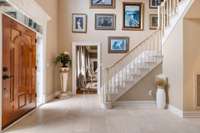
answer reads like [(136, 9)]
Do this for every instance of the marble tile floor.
[(82, 114)]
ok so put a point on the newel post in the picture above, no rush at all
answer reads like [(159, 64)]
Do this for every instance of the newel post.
[(107, 93)]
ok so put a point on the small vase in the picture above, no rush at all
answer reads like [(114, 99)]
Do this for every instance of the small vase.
[(160, 98), (64, 79)]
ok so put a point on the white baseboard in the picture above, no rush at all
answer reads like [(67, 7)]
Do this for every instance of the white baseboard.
[(17, 121), (106, 106), (52, 96), (136, 104), (184, 114), (175, 110), (49, 98), (57, 93), (191, 114)]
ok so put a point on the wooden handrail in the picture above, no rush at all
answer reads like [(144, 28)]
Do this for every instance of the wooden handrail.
[(114, 64)]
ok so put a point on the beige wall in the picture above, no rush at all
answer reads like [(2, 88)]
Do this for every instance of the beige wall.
[(60, 39), (141, 90), (173, 65), (191, 55), (51, 7), (181, 60), (193, 13), (191, 61), (66, 37)]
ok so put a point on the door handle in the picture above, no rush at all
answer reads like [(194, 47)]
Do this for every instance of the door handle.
[(5, 69), (5, 77)]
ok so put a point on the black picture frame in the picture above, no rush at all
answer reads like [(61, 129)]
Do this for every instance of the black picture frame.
[(153, 4)]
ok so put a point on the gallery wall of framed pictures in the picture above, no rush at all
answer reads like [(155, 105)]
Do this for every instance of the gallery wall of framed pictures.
[(134, 18)]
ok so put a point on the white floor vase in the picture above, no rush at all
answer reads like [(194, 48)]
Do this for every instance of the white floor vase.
[(161, 98)]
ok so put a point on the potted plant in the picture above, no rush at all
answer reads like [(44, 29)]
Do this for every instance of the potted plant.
[(64, 60), (161, 83)]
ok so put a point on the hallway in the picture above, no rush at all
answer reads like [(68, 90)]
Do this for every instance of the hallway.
[(82, 114)]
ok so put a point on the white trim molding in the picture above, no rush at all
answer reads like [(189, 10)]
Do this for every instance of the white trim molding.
[(196, 106), (31, 9), (175, 110), (1, 63), (191, 114), (136, 104), (52, 96), (183, 114), (17, 121), (85, 43)]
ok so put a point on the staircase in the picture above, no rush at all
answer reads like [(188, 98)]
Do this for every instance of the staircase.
[(142, 59)]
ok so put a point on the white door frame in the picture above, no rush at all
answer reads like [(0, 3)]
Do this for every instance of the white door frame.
[(74, 82), (31, 9)]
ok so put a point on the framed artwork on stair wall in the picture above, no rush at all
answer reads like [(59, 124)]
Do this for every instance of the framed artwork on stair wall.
[(118, 44), (105, 21), (79, 23), (133, 16), (102, 4), (153, 21), (153, 4)]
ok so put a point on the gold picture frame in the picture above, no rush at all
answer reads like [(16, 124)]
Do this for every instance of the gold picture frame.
[(132, 20), (118, 44)]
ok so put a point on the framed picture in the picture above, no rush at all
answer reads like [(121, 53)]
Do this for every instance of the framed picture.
[(102, 3), (79, 23), (105, 21), (118, 44), (153, 4), (133, 16), (153, 21)]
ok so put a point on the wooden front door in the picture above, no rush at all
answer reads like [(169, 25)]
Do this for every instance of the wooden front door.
[(19, 70)]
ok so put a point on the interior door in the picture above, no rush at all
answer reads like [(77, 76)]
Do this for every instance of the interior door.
[(19, 70)]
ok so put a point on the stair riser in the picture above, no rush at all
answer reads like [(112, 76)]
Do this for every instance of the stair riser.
[(129, 85)]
